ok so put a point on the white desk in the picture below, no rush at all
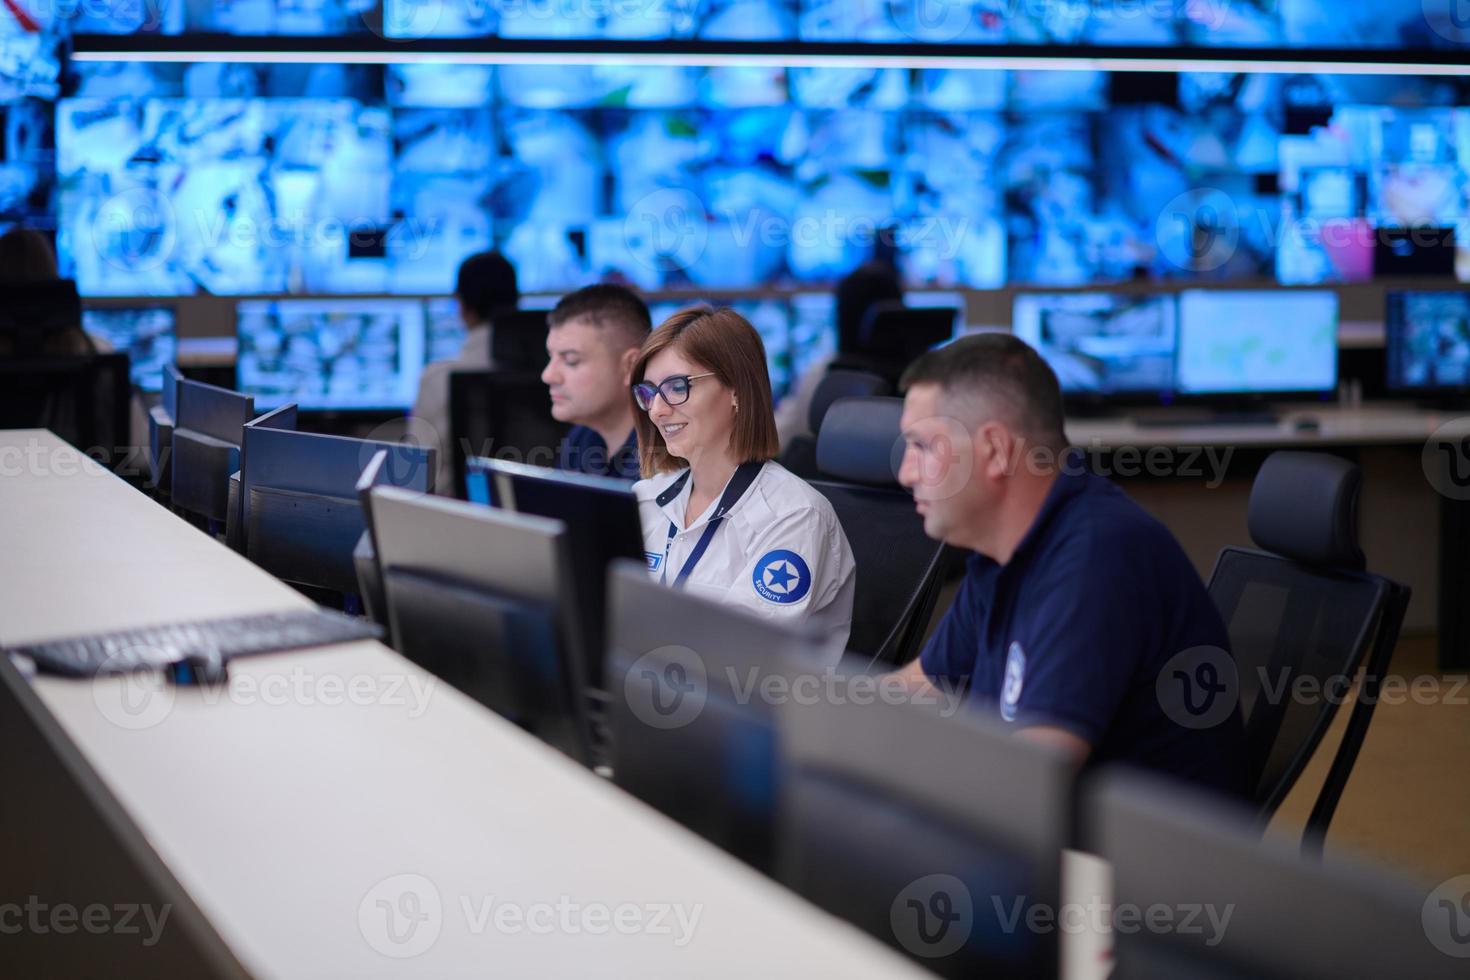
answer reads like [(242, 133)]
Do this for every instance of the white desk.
[(1365, 426), (282, 816)]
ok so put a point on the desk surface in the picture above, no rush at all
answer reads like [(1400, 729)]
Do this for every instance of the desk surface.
[(332, 789), (1370, 424)]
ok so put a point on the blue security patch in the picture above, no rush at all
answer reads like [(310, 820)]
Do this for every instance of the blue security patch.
[(782, 576), (654, 560)]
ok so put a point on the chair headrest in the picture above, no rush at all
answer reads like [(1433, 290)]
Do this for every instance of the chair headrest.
[(1304, 506), (840, 383), (860, 441)]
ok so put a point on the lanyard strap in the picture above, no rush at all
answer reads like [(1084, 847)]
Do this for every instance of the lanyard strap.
[(739, 483)]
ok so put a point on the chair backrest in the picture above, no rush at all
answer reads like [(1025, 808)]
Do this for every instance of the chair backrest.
[(691, 734), (209, 426), (161, 430), (899, 569), (30, 312), (1299, 612), (1240, 908), (896, 818), (482, 599), (842, 383), (502, 415), (301, 515), (518, 340), (84, 400), (800, 454)]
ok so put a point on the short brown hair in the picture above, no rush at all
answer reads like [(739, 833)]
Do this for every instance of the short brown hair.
[(1000, 366), (609, 307), (724, 343)]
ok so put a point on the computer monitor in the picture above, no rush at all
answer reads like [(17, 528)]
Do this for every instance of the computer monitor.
[(145, 333), (1102, 346), (973, 820), (302, 516), (518, 340), (331, 355), (1427, 335), (209, 427), (894, 334), (161, 428), (772, 320), (1414, 251), (685, 739), (601, 516), (1260, 910), (483, 598), (504, 414), (1252, 343)]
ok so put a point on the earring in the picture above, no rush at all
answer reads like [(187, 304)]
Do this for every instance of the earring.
[(736, 403)]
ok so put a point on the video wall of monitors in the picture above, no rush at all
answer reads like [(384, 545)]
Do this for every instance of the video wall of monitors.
[(1199, 343), (333, 179), (1214, 23), (1427, 336)]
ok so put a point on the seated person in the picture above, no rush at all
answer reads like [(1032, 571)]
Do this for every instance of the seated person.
[(486, 284), (719, 516), (593, 341), (858, 292), (26, 259), (1075, 599)]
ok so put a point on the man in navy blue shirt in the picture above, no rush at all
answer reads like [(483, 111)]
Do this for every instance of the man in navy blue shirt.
[(593, 341), (1078, 612)]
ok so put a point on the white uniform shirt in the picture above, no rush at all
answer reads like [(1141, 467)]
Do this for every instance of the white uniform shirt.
[(779, 554)]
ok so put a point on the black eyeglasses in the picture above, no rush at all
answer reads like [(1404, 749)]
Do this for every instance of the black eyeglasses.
[(675, 390)]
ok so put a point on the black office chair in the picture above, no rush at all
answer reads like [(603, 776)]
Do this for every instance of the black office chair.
[(1304, 607), (1240, 908), (84, 400), (899, 569), (161, 434), (800, 457), (894, 335), (503, 415), (897, 818)]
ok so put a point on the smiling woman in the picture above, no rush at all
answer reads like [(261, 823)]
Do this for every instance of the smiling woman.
[(720, 517)]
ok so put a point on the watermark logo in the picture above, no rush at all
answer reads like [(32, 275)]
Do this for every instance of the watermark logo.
[(135, 230), (667, 230), (1199, 688), (407, 20), (934, 21), (41, 918), (1198, 230), (134, 699), (1446, 459), (1450, 19), (933, 916), (667, 688), (401, 916), (1446, 917)]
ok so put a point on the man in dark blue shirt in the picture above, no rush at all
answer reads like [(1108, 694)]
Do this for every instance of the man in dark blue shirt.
[(593, 340), (1078, 612)]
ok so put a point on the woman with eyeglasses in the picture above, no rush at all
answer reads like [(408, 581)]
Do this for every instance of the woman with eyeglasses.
[(720, 517)]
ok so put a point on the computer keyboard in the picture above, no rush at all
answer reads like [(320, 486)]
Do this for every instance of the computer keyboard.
[(217, 640)]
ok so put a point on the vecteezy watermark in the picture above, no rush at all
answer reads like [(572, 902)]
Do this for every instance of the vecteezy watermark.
[(140, 699), (936, 915), (1096, 916), (145, 16), (42, 918), (406, 20), (1446, 459), (1202, 687), (1450, 19), (667, 688), (37, 458), (403, 916), (1446, 917), (1198, 230), (1199, 688), (933, 916)]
